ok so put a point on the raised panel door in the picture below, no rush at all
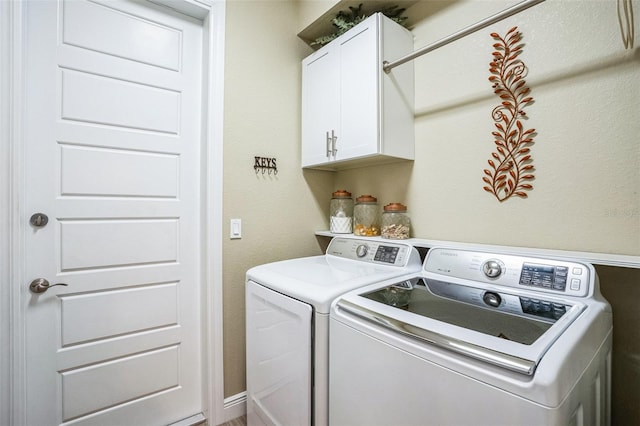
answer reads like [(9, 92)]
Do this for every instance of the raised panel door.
[(112, 138), (360, 67), (320, 105)]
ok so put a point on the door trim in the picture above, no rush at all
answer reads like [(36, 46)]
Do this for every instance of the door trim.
[(12, 214), (12, 341)]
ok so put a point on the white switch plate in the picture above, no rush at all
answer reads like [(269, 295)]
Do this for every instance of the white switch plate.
[(235, 231)]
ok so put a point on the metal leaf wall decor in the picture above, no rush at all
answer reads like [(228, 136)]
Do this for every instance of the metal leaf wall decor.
[(510, 170)]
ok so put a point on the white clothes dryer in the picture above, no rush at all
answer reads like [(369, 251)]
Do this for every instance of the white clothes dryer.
[(477, 339), (287, 324)]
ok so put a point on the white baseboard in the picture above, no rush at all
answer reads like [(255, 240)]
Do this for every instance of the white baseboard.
[(195, 420), (235, 406)]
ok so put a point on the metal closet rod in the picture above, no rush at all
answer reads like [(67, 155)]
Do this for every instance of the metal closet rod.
[(388, 66)]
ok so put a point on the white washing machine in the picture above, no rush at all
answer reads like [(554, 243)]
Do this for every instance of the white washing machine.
[(474, 339), (287, 324)]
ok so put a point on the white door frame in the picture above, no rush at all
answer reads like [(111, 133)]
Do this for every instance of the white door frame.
[(13, 217)]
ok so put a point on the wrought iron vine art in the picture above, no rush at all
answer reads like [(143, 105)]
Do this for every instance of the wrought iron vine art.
[(510, 170)]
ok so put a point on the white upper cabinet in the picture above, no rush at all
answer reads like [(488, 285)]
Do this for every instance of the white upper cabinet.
[(353, 113)]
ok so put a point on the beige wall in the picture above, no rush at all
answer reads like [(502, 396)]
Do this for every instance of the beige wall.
[(262, 118), (587, 154), (310, 10), (586, 113)]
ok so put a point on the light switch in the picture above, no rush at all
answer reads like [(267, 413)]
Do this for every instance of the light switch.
[(235, 229)]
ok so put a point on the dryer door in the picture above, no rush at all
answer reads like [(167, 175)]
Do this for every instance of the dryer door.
[(278, 358)]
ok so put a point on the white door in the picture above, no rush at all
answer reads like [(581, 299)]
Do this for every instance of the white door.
[(112, 134)]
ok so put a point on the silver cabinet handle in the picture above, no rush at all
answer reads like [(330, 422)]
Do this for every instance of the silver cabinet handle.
[(334, 139), (328, 140), (331, 144), (40, 285)]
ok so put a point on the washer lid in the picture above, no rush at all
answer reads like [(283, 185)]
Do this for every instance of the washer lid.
[(459, 319)]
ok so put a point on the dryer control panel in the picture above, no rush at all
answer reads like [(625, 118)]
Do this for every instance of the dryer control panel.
[(372, 251), (537, 274)]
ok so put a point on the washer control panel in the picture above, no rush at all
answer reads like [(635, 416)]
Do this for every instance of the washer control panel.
[(371, 251), (544, 275), (537, 274)]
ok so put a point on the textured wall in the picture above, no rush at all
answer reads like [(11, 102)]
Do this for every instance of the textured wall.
[(262, 118), (586, 153), (310, 10)]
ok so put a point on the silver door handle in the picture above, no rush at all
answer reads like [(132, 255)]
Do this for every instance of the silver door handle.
[(40, 285)]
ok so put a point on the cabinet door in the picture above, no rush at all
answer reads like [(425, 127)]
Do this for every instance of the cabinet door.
[(360, 67), (320, 105)]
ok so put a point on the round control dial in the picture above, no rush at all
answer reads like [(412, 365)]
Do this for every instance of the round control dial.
[(362, 250), (493, 268), (492, 299)]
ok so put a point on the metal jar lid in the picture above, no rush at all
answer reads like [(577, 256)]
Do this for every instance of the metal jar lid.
[(341, 193), (395, 207), (366, 199)]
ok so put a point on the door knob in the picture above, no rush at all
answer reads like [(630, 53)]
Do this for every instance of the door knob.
[(39, 220), (40, 285)]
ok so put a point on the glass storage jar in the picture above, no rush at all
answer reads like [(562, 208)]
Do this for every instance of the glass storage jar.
[(341, 212), (395, 222), (366, 217)]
